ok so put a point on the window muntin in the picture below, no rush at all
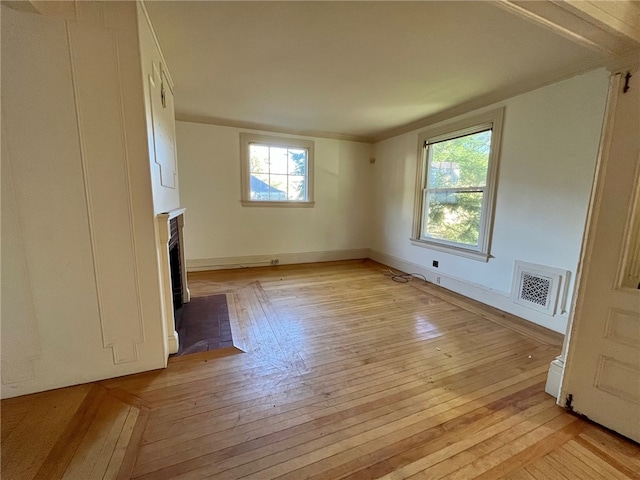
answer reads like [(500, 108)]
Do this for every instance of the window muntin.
[(276, 171), (456, 185)]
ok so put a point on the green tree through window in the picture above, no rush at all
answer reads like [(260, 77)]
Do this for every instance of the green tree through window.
[(456, 185), (456, 180)]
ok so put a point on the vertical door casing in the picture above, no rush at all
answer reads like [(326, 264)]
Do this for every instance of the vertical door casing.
[(602, 374)]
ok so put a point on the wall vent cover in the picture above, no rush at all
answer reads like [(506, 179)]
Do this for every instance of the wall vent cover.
[(537, 286), (536, 289)]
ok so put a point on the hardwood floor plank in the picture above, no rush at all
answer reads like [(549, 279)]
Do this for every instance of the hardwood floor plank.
[(71, 438), (337, 372), (47, 413), (384, 390), (118, 456), (521, 452), (130, 455), (627, 466), (379, 459), (93, 454), (593, 461)]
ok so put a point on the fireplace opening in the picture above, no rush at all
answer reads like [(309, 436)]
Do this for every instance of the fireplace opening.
[(175, 265)]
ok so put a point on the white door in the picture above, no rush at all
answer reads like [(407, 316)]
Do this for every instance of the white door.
[(602, 374)]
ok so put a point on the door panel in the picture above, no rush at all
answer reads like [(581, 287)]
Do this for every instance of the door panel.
[(602, 375)]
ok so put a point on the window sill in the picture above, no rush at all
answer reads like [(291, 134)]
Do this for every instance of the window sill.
[(462, 252), (258, 203)]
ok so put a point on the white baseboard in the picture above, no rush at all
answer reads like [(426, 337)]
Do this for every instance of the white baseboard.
[(202, 264), (494, 298), (554, 377), (173, 343)]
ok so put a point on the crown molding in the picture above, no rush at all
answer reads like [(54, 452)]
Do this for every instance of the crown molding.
[(607, 27)]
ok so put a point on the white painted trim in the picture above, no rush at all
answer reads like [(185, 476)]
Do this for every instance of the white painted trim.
[(559, 286), (164, 234), (489, 296), (554, 377), (173, 343), (256, 203), (461, 252), (246, 139), (203, 264), (592, 221), (490, 120), (143, 7), (108, 324), (600, 27)]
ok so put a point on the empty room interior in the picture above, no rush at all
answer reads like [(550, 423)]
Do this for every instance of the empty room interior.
[(320, 240)]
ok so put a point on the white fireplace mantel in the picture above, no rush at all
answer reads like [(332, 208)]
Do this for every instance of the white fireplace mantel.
[(164, 235)]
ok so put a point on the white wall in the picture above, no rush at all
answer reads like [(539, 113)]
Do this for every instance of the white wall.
[(219, 230), (80, 289), (549, 148)]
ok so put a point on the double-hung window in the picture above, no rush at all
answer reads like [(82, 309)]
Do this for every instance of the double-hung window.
[(276, 171), (455, 186)]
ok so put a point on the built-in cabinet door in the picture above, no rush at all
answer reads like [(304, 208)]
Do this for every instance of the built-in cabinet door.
[(602, 375), (163, 122)]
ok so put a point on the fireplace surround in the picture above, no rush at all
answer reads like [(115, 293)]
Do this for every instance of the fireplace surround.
[(173, 272)]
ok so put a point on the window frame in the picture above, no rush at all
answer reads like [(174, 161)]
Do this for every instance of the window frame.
[(474, 124), (246, 139)]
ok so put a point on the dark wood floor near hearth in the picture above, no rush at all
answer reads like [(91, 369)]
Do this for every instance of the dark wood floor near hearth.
[(346, 375)]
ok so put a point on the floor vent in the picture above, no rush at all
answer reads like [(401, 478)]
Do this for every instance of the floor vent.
[(538, 287)]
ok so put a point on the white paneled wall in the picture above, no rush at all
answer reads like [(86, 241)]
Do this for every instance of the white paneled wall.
[(80, 282)]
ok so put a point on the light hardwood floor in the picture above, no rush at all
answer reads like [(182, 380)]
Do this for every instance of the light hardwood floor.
[(346, 374)]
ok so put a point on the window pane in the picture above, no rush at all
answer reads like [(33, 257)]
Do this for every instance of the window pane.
[(460, 162), (278, 190), (259, 158), (296, 188), (278, 160), (454, 217), (297, 162), (259, 186)]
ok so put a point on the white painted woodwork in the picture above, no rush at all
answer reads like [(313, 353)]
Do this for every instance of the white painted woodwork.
[(619, 17), (160, 118), (83, 302), (603, 26), (221, 263), (631, 258), (164, 235), (602, 372), (20, 345), (94, 65)]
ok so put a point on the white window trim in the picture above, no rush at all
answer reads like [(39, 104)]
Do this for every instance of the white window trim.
[(273, 141), (466, 126)]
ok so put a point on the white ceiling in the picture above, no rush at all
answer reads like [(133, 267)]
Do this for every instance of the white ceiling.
[(359, 69)]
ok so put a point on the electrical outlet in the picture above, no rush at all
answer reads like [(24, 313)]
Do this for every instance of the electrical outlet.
[(438, 280), (275, 261), (435, 263)]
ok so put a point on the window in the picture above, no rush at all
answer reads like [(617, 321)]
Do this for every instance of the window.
[(276, 171), (456, 184)]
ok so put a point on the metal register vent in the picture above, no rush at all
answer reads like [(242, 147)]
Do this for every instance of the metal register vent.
[(537, 286), (536, 289)]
